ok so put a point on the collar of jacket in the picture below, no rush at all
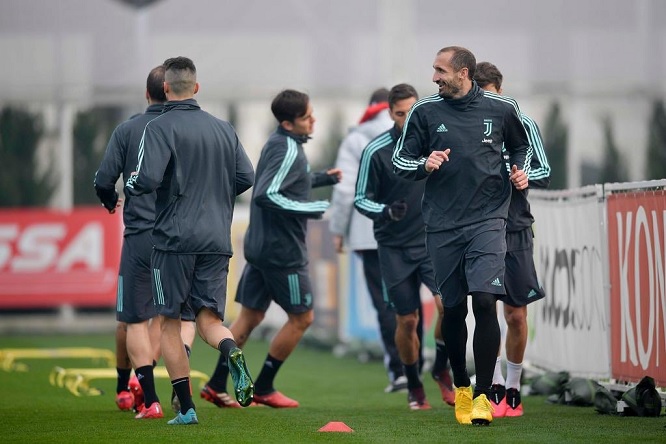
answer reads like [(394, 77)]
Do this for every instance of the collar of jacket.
[(181, 104), (155, 108), (467, 101), (300, 138), (395, 132)]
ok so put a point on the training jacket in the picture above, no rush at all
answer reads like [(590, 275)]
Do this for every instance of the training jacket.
[(377, 186), (198, 167), (281, 203), (120, 157), (520, 216), (473, 185), (356, 229)]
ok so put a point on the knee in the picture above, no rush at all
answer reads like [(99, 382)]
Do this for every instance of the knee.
[(408, 322), (302, 320), (516, 317), (253, 317), (483, 302), (458, 312)]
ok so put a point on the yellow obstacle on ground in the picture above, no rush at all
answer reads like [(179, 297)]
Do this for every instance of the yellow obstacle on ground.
[(77, 380), (8, 356)]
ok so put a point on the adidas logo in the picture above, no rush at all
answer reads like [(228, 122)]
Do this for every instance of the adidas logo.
[(496, 283), (442, 128), (532, 293)]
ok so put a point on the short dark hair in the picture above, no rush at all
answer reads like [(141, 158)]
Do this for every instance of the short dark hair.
[(378, 96), (155, 84), (289, 105), (180, 74), (400, 92), (462, 58), (488, 74)]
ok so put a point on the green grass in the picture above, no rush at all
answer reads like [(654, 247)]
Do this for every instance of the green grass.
[(328, 388)]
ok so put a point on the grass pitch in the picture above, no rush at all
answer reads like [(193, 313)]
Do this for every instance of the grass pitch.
[(328, 388)]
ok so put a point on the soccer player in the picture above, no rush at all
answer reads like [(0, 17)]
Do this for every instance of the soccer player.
[(393, 204), (275, 248), (454, 140), (198, 166), (353, 231), (137, 333), (520, 278)]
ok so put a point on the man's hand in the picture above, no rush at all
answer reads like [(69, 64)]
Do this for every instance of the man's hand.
[(436, 159), (396, 211), (335, 172), (118, 205), (519, 178)]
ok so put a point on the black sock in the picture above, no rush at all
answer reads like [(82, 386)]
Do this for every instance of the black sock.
[(454, 332), (441, 358), (412, 374), (487, 339), (147, 381), (225, 346), (182, 388), (188, 351), (123, 379), (218, 381), (263, 385)]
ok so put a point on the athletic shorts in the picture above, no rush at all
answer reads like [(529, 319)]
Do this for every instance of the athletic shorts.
[(520, 277), (290, 288), (468, 259), (403, 272), (134, 297), (183, 282)]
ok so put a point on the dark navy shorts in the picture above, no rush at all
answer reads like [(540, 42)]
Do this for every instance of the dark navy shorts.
[(290, 288), (134, 297), (183, 284), (469, 259), (403, 271), (520, 277)]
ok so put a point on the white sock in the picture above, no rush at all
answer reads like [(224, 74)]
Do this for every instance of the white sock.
[(497, 376), (513, 372)]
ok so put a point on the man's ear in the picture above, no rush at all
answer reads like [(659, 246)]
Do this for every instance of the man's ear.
[(196, 88), (287, 125), (165, 85), (147, 96)]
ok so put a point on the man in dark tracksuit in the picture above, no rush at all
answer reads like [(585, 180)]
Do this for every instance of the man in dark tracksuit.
[(134, 305), (275, 248), (455, 140), (393, 204), (198, 167), (522, 284)]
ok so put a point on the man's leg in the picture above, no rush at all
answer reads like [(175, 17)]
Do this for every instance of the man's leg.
[(124, 398), (215, 334), (408, 343), (215, 390), (486, 343), (141, 353), (386, 317), (440, 370), (454, 333), (285, 341), (516, 342)]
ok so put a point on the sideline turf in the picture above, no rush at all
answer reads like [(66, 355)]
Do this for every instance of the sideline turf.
[(328, 388)]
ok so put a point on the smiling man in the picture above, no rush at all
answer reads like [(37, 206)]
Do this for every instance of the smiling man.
[(454, 141)]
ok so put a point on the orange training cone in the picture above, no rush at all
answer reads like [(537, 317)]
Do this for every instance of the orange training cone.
[(336, 426)]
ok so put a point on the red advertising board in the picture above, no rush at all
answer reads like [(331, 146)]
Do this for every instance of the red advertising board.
[(50, 258), (637, 258)]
